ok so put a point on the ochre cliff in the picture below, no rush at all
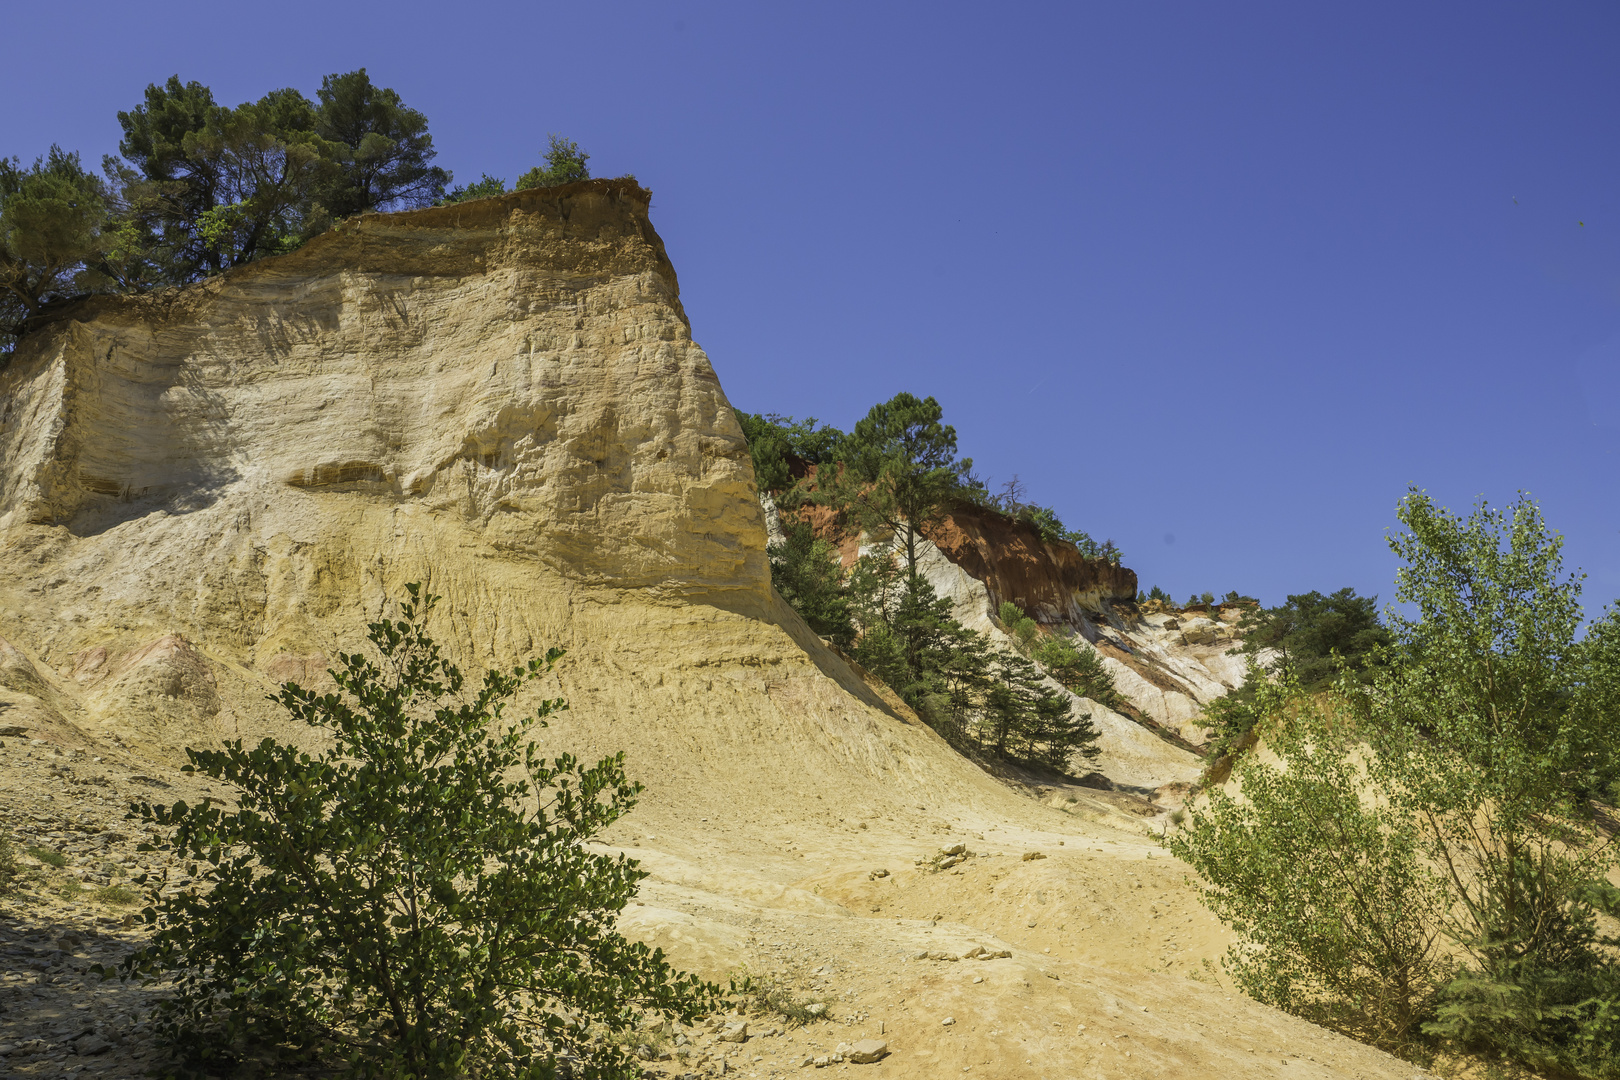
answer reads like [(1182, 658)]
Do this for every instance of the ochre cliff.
[(209, 491), (1053, 583)]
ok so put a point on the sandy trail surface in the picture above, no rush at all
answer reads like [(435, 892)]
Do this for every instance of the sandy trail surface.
[(1109, 966)]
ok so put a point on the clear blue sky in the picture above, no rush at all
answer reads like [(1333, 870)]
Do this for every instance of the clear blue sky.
[(1216, 280)]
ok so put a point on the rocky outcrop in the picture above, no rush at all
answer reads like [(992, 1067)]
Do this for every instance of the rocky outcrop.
[(208, 491), (522, 365), (1053, 583)]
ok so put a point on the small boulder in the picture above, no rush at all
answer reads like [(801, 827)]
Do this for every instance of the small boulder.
[(867, 1051), (948, 1021), (954, 849), (816, 1009), (735, 1033), (1031, 856), (91, 1044)]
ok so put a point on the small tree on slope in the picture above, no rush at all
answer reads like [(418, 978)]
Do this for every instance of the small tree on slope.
[(415, 900)]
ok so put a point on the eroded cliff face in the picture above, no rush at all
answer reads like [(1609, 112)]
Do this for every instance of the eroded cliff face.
[(210, 491), (521, 365), (1053, 583)]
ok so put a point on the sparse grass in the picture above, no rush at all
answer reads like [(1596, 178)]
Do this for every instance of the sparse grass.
[(658, 1042), (8, 863), (49, 857), (770, 997), (118, 896), (70, 890)]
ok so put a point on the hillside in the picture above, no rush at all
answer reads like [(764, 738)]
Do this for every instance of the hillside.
[(208, 491)]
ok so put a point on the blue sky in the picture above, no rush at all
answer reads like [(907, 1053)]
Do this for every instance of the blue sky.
[(1216, 281)]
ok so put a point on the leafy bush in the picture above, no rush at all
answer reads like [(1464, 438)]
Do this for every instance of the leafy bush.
[(1492, 716), (1080, 669), (1233, 715), (772, 439), (485, 187), (565, 163), (1316, 636), (1449, 807), (1337, 915), (49, 857), (808, 573), (1023, 629), (416, 897)]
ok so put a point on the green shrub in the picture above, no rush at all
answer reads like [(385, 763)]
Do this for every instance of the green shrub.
[(418, 897), (1338, 918), (1315, 636), (565, 163), (118, 896), (49, 857), (808, 573), (1021, 627), (1080, 669)]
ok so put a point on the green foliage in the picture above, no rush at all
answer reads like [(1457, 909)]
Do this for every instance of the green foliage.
[(382, 148), (1459, 808), (900, 469), (49, 857), (1492, 718), (1023, 719), (1337, 914), (53, 216), (773, 439), (1233, 715), (808, 573), (1023, 629), (217, 187), (1316, 636), (984, 701), (1160, 595), (202, 187), (486, 187), (118, 896), (1080, 668), (8, 863), (417, 896), (565, 163)]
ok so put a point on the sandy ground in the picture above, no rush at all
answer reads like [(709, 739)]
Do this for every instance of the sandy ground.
[(1111, 968)]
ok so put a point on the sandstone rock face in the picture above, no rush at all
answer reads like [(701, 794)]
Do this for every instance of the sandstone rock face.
[(525, 368), (207, 492)]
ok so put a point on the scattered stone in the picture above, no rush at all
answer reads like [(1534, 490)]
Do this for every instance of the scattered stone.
[(734, 1033), (91, 1044), (8, 731), (816, 1009), (1031, 856), (874, 875), (948, 1021), (867, 1051), (954, 849)]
